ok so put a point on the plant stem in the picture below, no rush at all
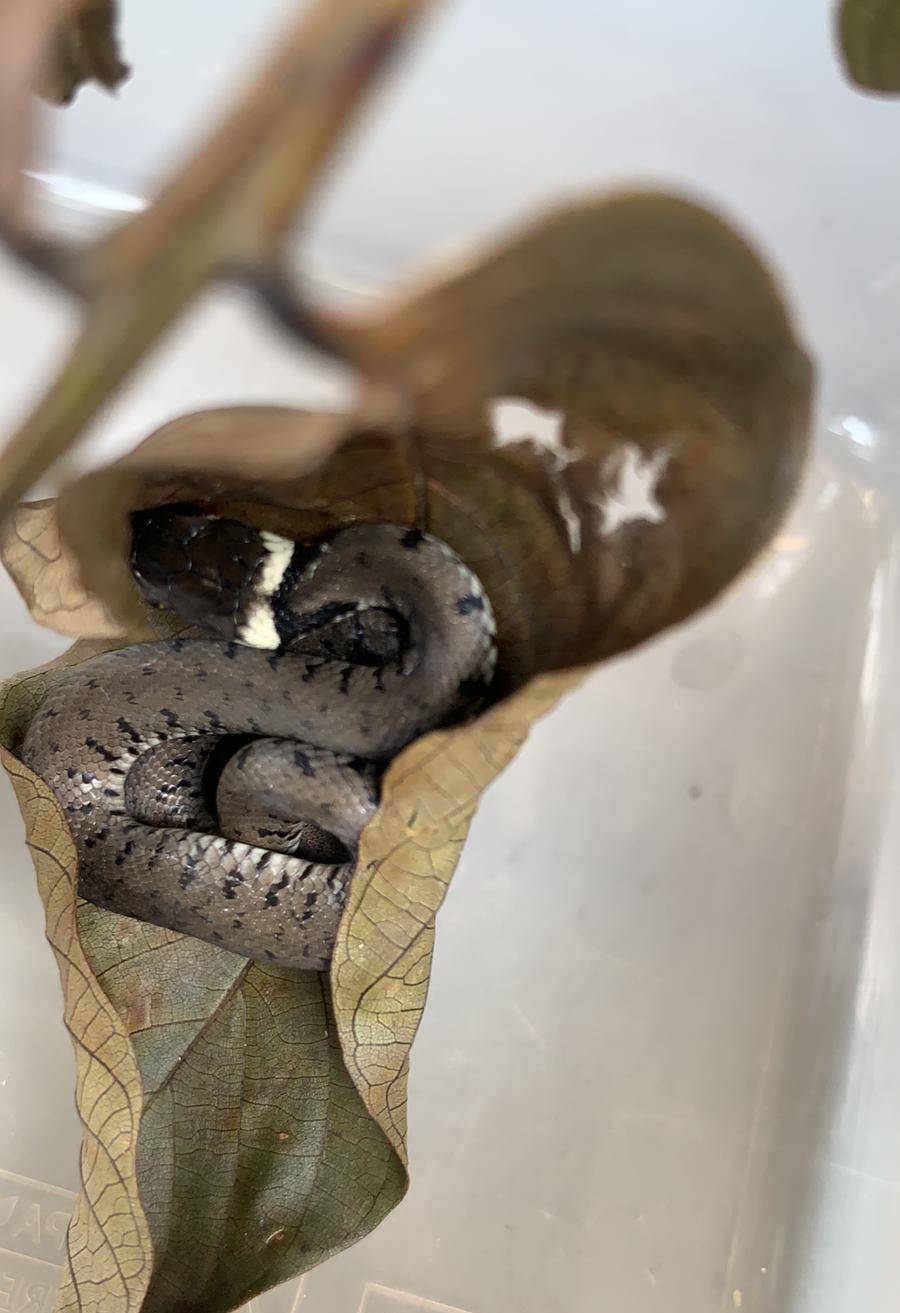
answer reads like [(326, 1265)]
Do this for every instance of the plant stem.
[(227, 210)]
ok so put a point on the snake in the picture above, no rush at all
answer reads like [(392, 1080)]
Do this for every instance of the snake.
[(217, 783)]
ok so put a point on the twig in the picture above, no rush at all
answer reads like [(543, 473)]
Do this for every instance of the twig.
[(228, 208)]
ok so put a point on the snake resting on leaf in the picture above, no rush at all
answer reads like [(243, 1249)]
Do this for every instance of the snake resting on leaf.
[(217, 783)]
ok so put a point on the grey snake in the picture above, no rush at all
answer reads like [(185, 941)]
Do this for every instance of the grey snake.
[(218, 783)]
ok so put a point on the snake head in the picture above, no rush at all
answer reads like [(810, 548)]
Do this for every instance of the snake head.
[(214, 573)]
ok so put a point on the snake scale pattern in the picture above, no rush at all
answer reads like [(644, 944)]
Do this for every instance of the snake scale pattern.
[(218, 783)]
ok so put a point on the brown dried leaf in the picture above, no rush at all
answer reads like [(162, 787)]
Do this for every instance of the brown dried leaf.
[(240, 451), (45, 574), (636, 274), (225, 212), (256, 1158), (651, 326), (868, 33), (645, 321), (253, 462), (86, 49), (108, 1250), (657, 332), (196, 1193)]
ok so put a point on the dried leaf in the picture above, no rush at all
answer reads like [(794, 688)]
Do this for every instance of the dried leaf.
[(45, 574), (656, 333), (213, 1086), (238, 450), (86, 49), (697, 365), (256, 1158), (640, 274), (223, 1021), (252, 463), (869, 39), (224, 213), (108, 1253)]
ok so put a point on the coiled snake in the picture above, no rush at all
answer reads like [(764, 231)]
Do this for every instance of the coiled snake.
[(218, 783)]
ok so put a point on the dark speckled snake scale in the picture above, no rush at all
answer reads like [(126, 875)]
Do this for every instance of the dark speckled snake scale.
[(218, 784)]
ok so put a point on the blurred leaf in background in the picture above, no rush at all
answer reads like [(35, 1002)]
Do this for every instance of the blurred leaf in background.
[(869, 39), (85, 49)]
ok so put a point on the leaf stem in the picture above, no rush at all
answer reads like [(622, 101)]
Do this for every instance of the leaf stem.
[(228, 207)]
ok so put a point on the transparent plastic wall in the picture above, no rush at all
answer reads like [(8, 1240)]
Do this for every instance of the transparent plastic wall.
[(660, 1064)]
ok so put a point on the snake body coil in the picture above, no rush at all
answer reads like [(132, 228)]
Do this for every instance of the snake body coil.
[(219, 785)]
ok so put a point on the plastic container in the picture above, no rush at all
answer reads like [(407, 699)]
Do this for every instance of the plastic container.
[(674, 1087)]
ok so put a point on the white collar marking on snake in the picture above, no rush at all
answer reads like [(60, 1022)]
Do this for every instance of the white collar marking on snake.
[(259, 629)]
